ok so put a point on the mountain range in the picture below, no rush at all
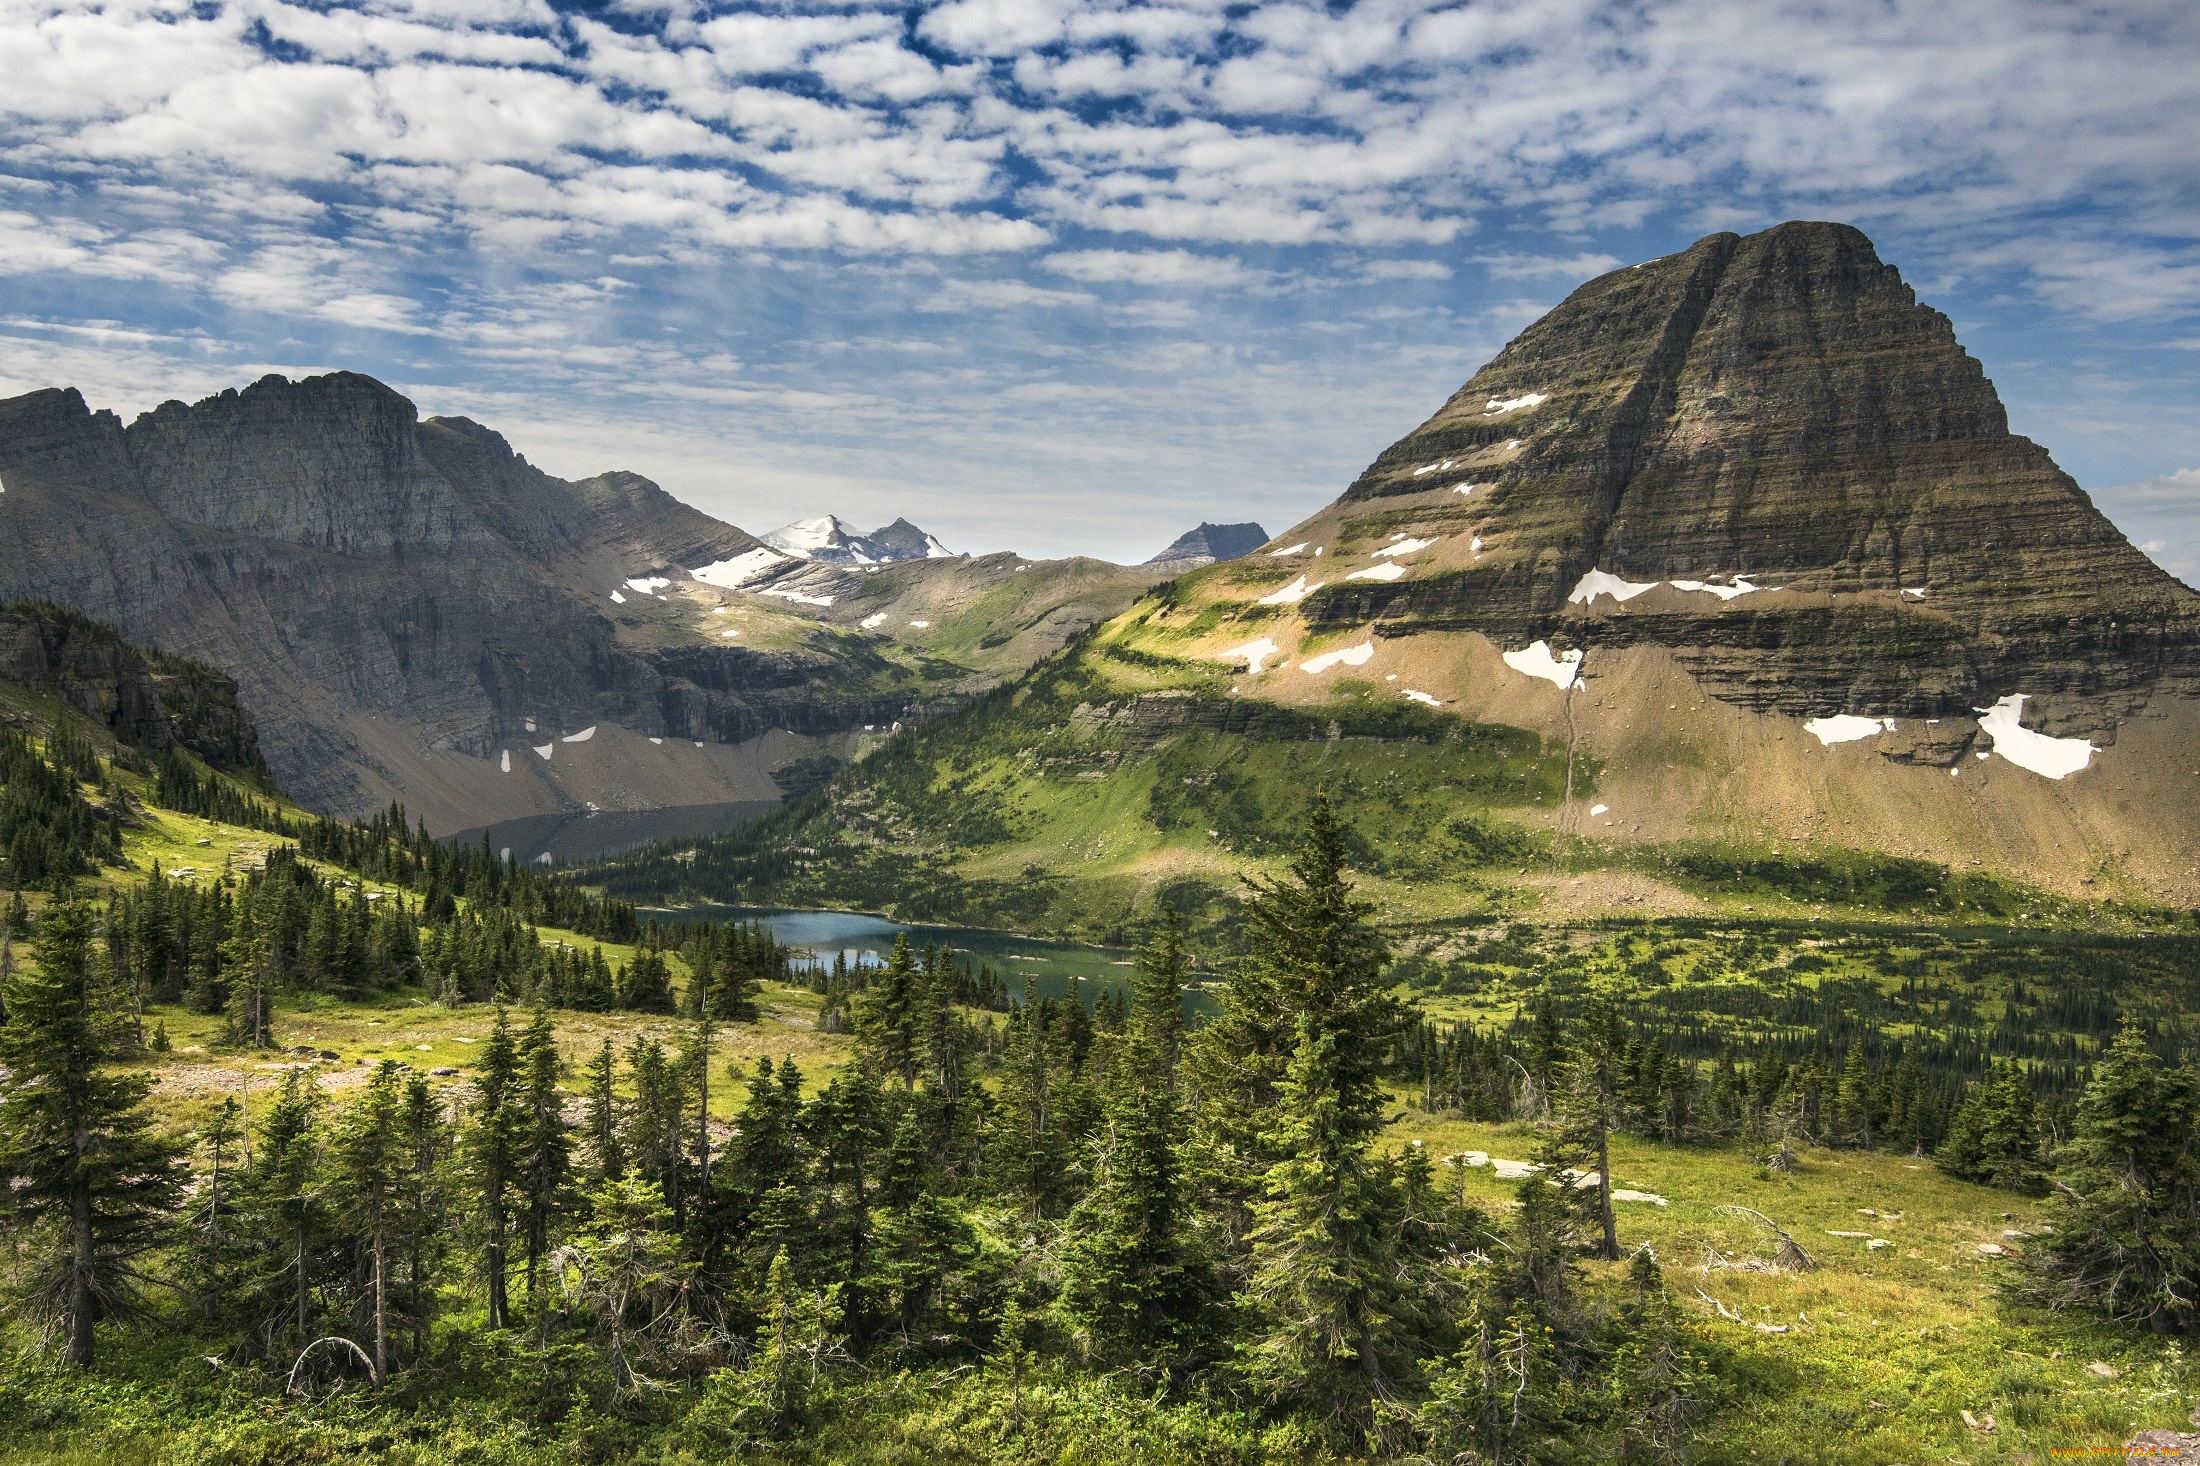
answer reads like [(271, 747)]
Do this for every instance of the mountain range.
[(1729, 559), (1207, 543), (827, 539), (414, 612)]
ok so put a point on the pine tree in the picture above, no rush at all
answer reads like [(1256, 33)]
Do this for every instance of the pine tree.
[(1586, 1103), (2127, 1245), (1135, 1283), (84, 1164), (647, 985), (286, 1194), (1158, 997), (369, 1162), (1320, 1252), (497, 1146), (545, 1149), (427, 1144), (1852, 1102), (1994, 1137), (607, 1158), (886, 1018)]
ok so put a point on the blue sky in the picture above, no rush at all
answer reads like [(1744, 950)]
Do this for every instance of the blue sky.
[(1065, 277)]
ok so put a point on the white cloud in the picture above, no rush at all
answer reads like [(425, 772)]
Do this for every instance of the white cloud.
[(1152, 267)]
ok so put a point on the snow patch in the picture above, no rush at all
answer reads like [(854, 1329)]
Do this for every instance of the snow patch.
[(729, 635), (1422, 698), (1597, 809), (1351, 656), (1289, 549), (1475, 544), (1388, 570), (2050, 758), (544, 750), (1297, 591), (657, 740), (1535, 660), (1255, 653), (1604, 583), (581, 737), (921, 625), (1919, 592), (1499, 406), (648, 585), (1740, 587), (741, 569), (619, 598), (798, 596), (1843, 728), (505, 762), (873, 621), (1467, 490), (1433, 468), (1407, 547)]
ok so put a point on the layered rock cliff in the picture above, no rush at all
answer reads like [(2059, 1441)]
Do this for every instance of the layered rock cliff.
[(1788, 473), (387, 590), (147, 699)]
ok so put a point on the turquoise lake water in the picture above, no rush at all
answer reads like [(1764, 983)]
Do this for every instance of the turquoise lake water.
[(1056, 969)]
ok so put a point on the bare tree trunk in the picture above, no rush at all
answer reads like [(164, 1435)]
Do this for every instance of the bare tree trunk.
[(1604, 1191), (80, 1275), (381, 1313), (500, 1306), (301, 1268)]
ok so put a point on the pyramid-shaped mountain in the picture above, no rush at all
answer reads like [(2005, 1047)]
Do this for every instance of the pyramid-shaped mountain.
[(1764, 454)]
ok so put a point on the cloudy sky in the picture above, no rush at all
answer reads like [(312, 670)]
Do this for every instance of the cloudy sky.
[(1064, 276)]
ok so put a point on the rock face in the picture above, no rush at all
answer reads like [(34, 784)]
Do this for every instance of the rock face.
[(1211, 542), (826, 540), (383, 589), (149, 700), (1788, 473)]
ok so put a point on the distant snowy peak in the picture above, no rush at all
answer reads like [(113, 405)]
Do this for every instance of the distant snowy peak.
[(1211, 542), (827, 539)]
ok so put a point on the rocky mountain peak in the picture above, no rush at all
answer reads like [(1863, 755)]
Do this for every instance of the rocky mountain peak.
[(1208, 543), (828, 540), (1775, 420)]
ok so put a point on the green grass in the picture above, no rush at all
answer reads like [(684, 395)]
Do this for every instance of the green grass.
[(1883, 1349)]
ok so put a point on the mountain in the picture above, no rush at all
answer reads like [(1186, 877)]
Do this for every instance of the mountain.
[(412, 611), (1211, 542), (829, 541), (52, 658), (1725, 575)]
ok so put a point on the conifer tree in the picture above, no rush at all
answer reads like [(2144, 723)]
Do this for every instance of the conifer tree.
[(1157, 991), (369, 1163), (1852, 1103), (886, 1018), (76, 1143), (607, 1158), (2127, 1244), (1993, 1138), (1587, 1107), (427, 1143), (647, 987), (545, 1148), (497, 1148), (1320, 1252), (286, 1193)]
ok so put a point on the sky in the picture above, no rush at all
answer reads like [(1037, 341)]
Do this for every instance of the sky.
[(1066, 277)]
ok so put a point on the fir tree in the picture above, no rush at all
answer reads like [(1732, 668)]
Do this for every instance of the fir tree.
[(545, 1149), (497, 1144), (1320, 1253), (607, 1158), (286, 1194), (1158, 997), (76, 1143), (369, 1163), (1993, 1138), (1587, 1106), (2127, 1244)]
